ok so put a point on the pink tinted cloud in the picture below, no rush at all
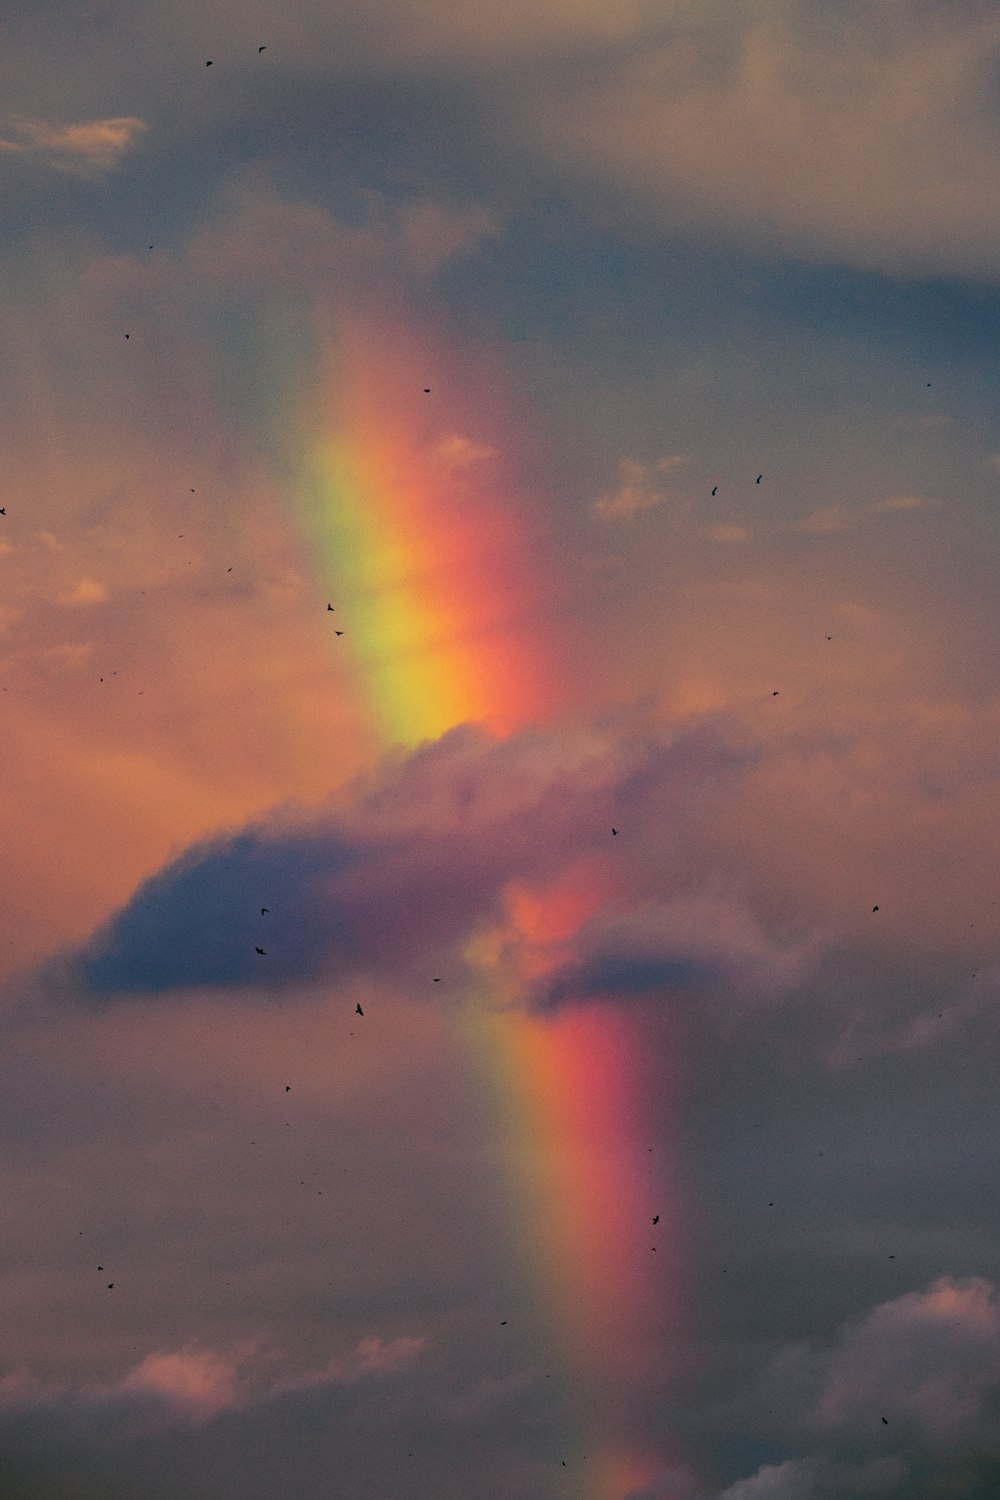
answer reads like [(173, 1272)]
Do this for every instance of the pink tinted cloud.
[(193, 1385)]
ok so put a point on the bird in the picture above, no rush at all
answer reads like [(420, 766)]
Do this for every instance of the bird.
[(614, 832), (126, 335), (874, 908), (759, 478), (261, 951), (715, 489), (288, 1088), (209, 63), (264, 911), (503, 1322), (111, 1287), (3, 510), (427, 390), (262, 49), (357, 1009), (775, 693), (886, 1421), (338, 632), (656, 1218), (329, 607), (438, 979)]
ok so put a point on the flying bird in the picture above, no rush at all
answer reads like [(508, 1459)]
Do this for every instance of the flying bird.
[(874, 908), (209, 63), (260, 951), (3, 510), (614, 832), (357, 1009), (262, 49), (264, 911), (338, 632), (715, 490), (427, 390), (438, 980), (886, 1421), (759, 478), (329, 607), (656, 1218)]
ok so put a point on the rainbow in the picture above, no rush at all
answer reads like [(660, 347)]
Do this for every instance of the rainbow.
[(409, 500)]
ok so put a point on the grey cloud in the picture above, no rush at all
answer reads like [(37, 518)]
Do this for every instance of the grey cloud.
[(818, 1479), (683, 945), (401, 873)]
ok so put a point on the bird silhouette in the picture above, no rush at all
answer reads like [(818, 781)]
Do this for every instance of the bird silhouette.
[(329, 607), (614, 832), (338, 632), (357, 1010), (262, 49), (261, 951), (3, 510), (759, 478), (264, 911), (715, 490), (656, 1218)]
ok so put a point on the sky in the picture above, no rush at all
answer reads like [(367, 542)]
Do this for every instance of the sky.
[(500, 696)]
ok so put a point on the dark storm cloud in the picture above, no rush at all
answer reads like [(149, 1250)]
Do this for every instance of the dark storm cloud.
[(686, 946), (401, 874)]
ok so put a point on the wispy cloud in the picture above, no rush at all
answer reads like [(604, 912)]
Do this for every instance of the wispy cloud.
[(829, 519), (91, 148), (642, 487)]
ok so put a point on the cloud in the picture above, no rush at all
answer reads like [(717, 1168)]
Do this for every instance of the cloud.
[(683, 946), (92, 148), (816, 1478), (258, 237), (85, 591), (459, 452), (902, 1402), (802, 130), (198, 1384), (194, 1385), (836, 517), (640, 488), (409, 865), (931, 1358), (730, 535)]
